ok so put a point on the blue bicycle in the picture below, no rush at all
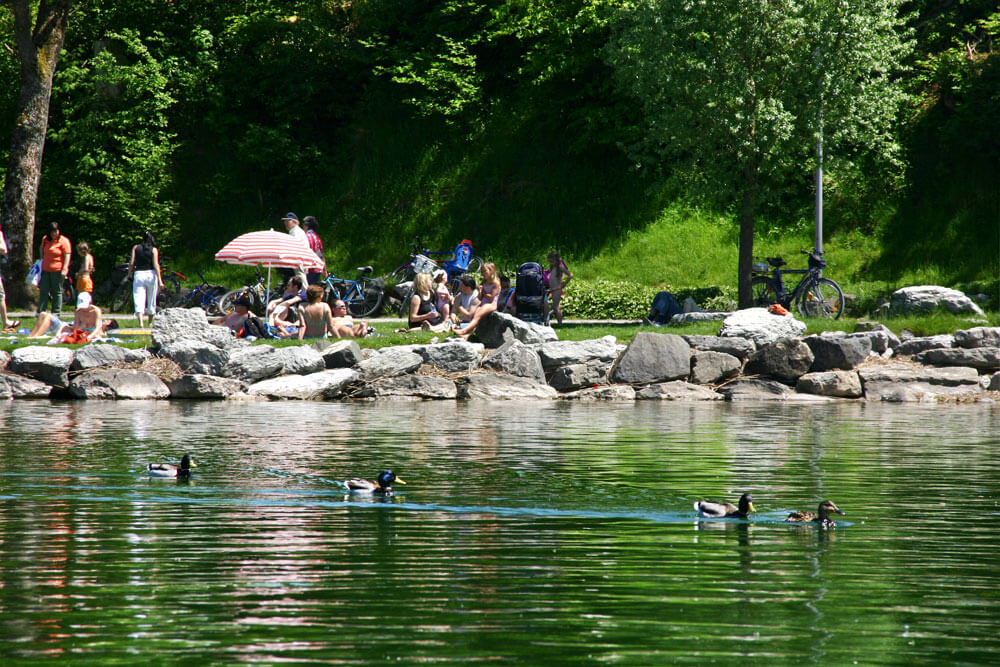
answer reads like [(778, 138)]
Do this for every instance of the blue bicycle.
[(363, 296)]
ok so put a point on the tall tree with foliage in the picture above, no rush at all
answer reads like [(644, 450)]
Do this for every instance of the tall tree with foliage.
[(738, 89), (38, 47)]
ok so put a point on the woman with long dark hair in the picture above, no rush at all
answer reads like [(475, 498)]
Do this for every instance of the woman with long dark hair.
[(144, 267)]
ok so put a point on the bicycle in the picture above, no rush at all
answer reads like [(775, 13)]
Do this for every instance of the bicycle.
[(363, 296), (422, 261), (204, 296), (166, 296), (813, 296), (258, 293)]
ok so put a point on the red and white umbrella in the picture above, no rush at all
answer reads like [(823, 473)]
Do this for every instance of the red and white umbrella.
[(271, 249)]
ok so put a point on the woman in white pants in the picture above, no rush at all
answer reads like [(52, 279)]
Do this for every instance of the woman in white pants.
[(144, 267)]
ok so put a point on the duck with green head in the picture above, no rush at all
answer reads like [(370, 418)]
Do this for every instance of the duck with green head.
[(821, 516), (382, 486), (712, 510), (183, 471)]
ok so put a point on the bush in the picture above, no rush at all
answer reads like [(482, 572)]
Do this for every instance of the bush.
[(625, 300)]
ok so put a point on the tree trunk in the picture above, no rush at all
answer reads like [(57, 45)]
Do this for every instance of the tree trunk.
[(748, 211), (38, 51)]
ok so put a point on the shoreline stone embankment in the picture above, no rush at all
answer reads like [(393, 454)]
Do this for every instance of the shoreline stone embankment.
[(756, 356)]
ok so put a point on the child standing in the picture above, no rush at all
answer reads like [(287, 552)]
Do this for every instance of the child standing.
[(85, 274), (442, 295), (559, 277)]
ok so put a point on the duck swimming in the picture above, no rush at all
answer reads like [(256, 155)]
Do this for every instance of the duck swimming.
[(821, 516), (170, 470), (711, 510), (382, 486)]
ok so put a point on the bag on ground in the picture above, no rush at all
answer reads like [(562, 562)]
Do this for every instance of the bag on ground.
[(663, 308), (34, 276)]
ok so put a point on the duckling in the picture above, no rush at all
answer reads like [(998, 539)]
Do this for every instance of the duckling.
[(170, 470), (381, 487), (712, 510), (821, 517)]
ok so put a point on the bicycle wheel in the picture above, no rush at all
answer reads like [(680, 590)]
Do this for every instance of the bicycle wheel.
[(404, 306), (227, 302), (823, 298), (475, 265), (121, 300), (69, 292), (169, 294), (365, 300), (764, 291), (401, 274)]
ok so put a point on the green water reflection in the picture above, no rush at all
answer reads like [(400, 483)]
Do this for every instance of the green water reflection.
[(527, 533)]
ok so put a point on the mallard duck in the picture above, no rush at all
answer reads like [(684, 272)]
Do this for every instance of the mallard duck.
[(170, 470), (821, 516), (382, 486), (709, 509)]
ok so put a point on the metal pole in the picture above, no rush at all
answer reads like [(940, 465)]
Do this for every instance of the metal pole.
[(819, 182)]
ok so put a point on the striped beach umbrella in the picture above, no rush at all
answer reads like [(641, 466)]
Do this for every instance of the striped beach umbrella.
[(271, 249)]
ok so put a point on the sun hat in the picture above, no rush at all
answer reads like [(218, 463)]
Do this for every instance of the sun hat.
[(437, 274), (291, 216), (83, 300)]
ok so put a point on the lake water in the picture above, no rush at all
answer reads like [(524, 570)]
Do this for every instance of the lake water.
[(527, 533)]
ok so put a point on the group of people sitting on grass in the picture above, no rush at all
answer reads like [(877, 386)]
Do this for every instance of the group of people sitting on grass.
[(434, 308), (297, 313), (87, 325)]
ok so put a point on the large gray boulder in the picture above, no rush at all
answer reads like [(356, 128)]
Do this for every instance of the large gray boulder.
[(313, 387), (703, 316), (196, 356), (708, 367), (495, 386), (301, 360), (786, 359), (18, 386), (343, 353), (410, 388), (562, 353), (614, 392), (96, 355), (496, 328), (174, 324), (761, 326), (927, 298), (118, 383), (981, 358), (453, 356), (919, 344), (389, 363), (652, 357), (49, 364), (253, 363), (677, 390), (754, 389), (978, 337), (838, 352), (199, 386), (881, 336), (741, 348), (841, 384), (578, 376), (516, 358), (906, 382)]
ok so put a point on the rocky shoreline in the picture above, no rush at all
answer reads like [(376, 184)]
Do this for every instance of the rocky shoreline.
[(756, 356)]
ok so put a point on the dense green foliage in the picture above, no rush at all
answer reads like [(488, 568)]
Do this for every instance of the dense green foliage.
[(507, 122)]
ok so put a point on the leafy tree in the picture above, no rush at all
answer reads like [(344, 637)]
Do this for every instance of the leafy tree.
[(110, 154), (738, 88), (38, 47)]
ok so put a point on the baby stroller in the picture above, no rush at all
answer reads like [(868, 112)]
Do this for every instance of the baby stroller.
[(530, 294)]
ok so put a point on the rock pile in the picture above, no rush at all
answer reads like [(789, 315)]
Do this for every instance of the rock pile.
[(757, 356)]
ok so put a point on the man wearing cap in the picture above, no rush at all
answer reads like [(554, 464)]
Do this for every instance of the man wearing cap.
[(236, 319), (296, 232)]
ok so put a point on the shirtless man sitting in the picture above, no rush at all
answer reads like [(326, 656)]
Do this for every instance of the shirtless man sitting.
[(236, 319), (87, 317)]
